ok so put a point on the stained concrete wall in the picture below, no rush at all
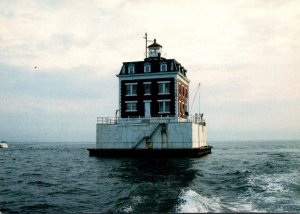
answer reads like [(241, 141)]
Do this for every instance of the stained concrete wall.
[(126, 136)]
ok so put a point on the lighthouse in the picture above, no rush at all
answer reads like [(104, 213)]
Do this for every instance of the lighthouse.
[(153, 117), (154, 87)]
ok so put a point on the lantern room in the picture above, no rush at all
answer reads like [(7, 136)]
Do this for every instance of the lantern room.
[(154, 50)]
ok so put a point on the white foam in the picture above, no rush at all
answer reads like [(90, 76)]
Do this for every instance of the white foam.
[(127, 209), (135, 200), (274, 183), (192, 202), (275, 188)]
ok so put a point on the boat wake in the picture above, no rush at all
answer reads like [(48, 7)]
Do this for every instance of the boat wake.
[(192, 202), (264, 193)]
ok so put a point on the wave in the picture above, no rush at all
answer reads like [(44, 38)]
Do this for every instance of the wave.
[(264, 193), (192, 202), (275, 189), (133, 202)]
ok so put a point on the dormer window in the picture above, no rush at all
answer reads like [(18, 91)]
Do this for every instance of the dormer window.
[(163, 67), (147, 68), (131, 69)]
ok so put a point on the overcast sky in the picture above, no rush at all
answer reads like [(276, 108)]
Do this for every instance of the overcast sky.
[(245, 54)]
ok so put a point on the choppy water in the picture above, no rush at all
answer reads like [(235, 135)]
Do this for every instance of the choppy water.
[(237, 176)]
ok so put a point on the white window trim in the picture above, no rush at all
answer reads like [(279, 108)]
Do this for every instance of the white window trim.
[(163, 82), (147, 66), (131, 83), (128, 95), (129, 69), (147, 83), (130, 110), (163, 65), (164, 101)]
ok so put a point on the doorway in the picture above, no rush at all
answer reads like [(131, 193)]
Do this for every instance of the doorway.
[(147, 104)]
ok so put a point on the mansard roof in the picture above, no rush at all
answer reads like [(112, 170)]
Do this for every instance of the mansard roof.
[(172, 66)]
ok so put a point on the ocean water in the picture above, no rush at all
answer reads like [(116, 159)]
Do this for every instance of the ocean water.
[(237, 177)]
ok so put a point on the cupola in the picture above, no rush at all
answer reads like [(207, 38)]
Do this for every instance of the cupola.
[(154, 50)]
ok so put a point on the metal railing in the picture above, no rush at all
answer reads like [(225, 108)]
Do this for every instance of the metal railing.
[(117, 120)]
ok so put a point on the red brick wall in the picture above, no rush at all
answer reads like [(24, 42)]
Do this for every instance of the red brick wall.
[(182, 98)]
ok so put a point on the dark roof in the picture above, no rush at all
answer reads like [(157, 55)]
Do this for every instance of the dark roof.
[(154, 44), (172, 66)]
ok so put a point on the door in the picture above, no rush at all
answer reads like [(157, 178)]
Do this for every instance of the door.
[(147, 108)]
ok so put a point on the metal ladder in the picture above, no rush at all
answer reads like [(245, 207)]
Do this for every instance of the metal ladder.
[(145, 137)]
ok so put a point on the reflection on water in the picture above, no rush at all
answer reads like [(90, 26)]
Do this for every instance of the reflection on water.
[(155, 184)]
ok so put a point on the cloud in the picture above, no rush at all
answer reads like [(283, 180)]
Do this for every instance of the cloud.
[(244, 53), (81, 83)]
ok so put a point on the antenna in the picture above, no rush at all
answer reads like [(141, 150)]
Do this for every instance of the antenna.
[(197, 92), (146, 40), (199, 97), (146, 44)]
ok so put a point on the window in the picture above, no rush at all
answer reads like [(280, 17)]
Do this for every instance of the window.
[(163, 87), (147, 68), (131, 69), (147, 88), (179, 89), (131, 106), (131, 89), (163, 106), (163, 67), (179, 107)]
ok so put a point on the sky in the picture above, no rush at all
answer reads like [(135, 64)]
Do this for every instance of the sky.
[(59, 60)]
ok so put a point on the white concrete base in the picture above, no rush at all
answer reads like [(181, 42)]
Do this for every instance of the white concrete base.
[(179, 135)]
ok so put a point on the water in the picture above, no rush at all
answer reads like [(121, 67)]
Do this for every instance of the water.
[(237, 176)]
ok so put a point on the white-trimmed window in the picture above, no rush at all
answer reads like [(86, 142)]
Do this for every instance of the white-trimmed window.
[(164, 87), (163, 67), (163, 106), (131, 69), (131, 106), (131, 89), (147, 88), (147, 68)]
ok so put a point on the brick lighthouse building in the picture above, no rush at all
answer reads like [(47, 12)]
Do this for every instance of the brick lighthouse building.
[(154, 87), (153, 117)]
